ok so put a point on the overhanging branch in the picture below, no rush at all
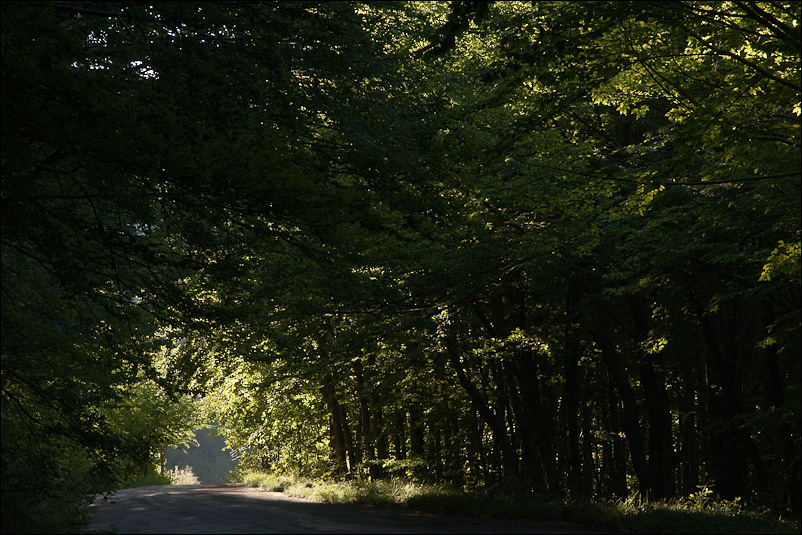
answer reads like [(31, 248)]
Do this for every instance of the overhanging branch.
[(85, 11)]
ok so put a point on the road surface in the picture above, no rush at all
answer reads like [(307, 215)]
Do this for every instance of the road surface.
[(224, 509)]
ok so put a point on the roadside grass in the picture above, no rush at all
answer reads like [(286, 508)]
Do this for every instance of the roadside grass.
[(626, 516), (176, 476)]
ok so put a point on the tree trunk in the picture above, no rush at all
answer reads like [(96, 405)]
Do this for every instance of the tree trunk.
[(615, 452), (728, 461), (399, 436), (338, 446), (364, 416), (590, 474), (536, 424), (380, 438), (416, 436), (661, 442), (776, 398), (379, 435), (575, 483), (535, 474), (351, 446), (494, 420), (162, 458), (630, 419), (688, 428)]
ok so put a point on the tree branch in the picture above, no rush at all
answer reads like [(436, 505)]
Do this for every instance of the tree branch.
[(93, 12), (743, 60), (735, 180)]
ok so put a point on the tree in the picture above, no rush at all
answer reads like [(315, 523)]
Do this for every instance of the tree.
[(552, 244), (584, 151)]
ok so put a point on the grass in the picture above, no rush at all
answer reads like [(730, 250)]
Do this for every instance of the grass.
[(184, 476), (630, 516), (689, 517)]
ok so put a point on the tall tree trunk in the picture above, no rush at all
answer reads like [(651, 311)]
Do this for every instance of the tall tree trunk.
[(364, 416), (399, 436), (571, 373), (590, 474), (661, 441), (379, 435), (616, 448), (630, 419), (776, 398), (494, 420), (688, 427), (379, 432), (728, 462), (416, 435), (538, 453), (162, 458), (351, 446), (571, 350), (338, 446)]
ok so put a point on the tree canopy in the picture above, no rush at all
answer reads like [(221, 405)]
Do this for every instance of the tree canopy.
[(551, 244)]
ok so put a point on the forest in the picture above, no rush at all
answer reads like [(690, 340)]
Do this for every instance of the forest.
[(551, 245)]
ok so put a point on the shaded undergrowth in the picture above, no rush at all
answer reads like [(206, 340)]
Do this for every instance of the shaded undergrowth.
[(690, 515)]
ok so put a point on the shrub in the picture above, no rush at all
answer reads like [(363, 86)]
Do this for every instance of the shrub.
[(182, 476), (151, 478)]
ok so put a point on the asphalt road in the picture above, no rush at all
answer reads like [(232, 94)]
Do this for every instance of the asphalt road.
[(222, 509)]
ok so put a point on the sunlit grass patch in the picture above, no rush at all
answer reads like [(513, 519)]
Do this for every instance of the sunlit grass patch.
[(383, 492), (271, 482)]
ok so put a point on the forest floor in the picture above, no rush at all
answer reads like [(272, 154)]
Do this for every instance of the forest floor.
[(237, 509)]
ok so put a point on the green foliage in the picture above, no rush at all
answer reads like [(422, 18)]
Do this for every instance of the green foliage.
[(175, 476), (46, 512), (146, 479), (182, 476), (149, 418), (549, 244), (271, 422), (783, 261)]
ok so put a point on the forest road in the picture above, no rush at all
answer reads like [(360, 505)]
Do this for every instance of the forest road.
[(224, 509)]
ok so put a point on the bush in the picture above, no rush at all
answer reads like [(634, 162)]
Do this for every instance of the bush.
[(153, 477), (182, 476)]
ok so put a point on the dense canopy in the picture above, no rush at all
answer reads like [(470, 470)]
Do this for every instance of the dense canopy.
[(554, 244)]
